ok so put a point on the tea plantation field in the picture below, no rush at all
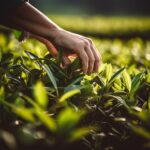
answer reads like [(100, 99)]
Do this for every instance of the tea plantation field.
[(43, 106)]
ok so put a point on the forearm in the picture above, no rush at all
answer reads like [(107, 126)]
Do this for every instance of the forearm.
[(28, 18)]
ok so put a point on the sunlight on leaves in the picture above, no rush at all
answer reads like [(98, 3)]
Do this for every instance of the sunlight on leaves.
[(68, 95), (40, 94)]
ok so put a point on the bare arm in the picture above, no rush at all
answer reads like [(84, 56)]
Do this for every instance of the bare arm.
[(28, 18)]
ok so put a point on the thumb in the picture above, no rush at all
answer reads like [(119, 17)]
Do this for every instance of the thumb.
[(65, 61), (51, 48)]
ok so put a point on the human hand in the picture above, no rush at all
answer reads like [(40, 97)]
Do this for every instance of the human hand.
[(72, 44), (80, 45), (50, 47)]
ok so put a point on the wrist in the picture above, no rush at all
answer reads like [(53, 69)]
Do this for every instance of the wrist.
[(54, 32)]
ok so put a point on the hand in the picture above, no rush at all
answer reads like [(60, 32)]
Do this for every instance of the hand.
[(53, 51), (72, 44), (81, 46)]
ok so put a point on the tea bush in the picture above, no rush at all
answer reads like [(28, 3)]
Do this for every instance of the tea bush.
[(43, 106)]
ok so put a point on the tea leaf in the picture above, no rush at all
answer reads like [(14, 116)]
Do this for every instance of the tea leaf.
[(46, 119), (40, 94), (58, 68), (2, 94), (24, 113), (100, 81), (127, 80), (69, 94), (51, 76), (31, 55), (108, 72), (68, 119), (116, 75), (79, 133), (141, 131), (135, 84), (75, 64), (0, 54), (119, 99), (149, 103)]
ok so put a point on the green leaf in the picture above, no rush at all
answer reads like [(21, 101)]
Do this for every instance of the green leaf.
[(31, 55), (58, 68), (72, 85), (34, 57), (24, 113), (149, 103), (119, 99), (68, 95), (75, 81), (127, 80), (140, 131), (0, 55), (108, 72), (79, 133), (117, 84), (143, 115), (135, 84), (115, 75), (2, 93), (100, 81), (51, 76), (40, 94), (76, 64), (148, 78), (87, 88), (119, 93), (68, 119), (46, 119), (117, 87), (17, 34)]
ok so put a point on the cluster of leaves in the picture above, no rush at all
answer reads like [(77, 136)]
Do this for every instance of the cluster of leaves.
[(43, 106)]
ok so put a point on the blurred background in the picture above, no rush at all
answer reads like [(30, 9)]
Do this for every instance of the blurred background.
[(95, 7), (103, 18)]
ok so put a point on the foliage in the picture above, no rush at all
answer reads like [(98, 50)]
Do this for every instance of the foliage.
[(43, 106)]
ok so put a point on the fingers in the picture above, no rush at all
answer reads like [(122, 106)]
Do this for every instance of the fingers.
[(65, 60), (95, 52), (84, 59), (93, 57), (97, 58), (51, 48)]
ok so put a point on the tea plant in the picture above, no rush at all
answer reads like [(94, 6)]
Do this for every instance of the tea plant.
[(43, 106)]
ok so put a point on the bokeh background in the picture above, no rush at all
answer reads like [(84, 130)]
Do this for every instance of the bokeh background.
[(104, 18), (92, 7)]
